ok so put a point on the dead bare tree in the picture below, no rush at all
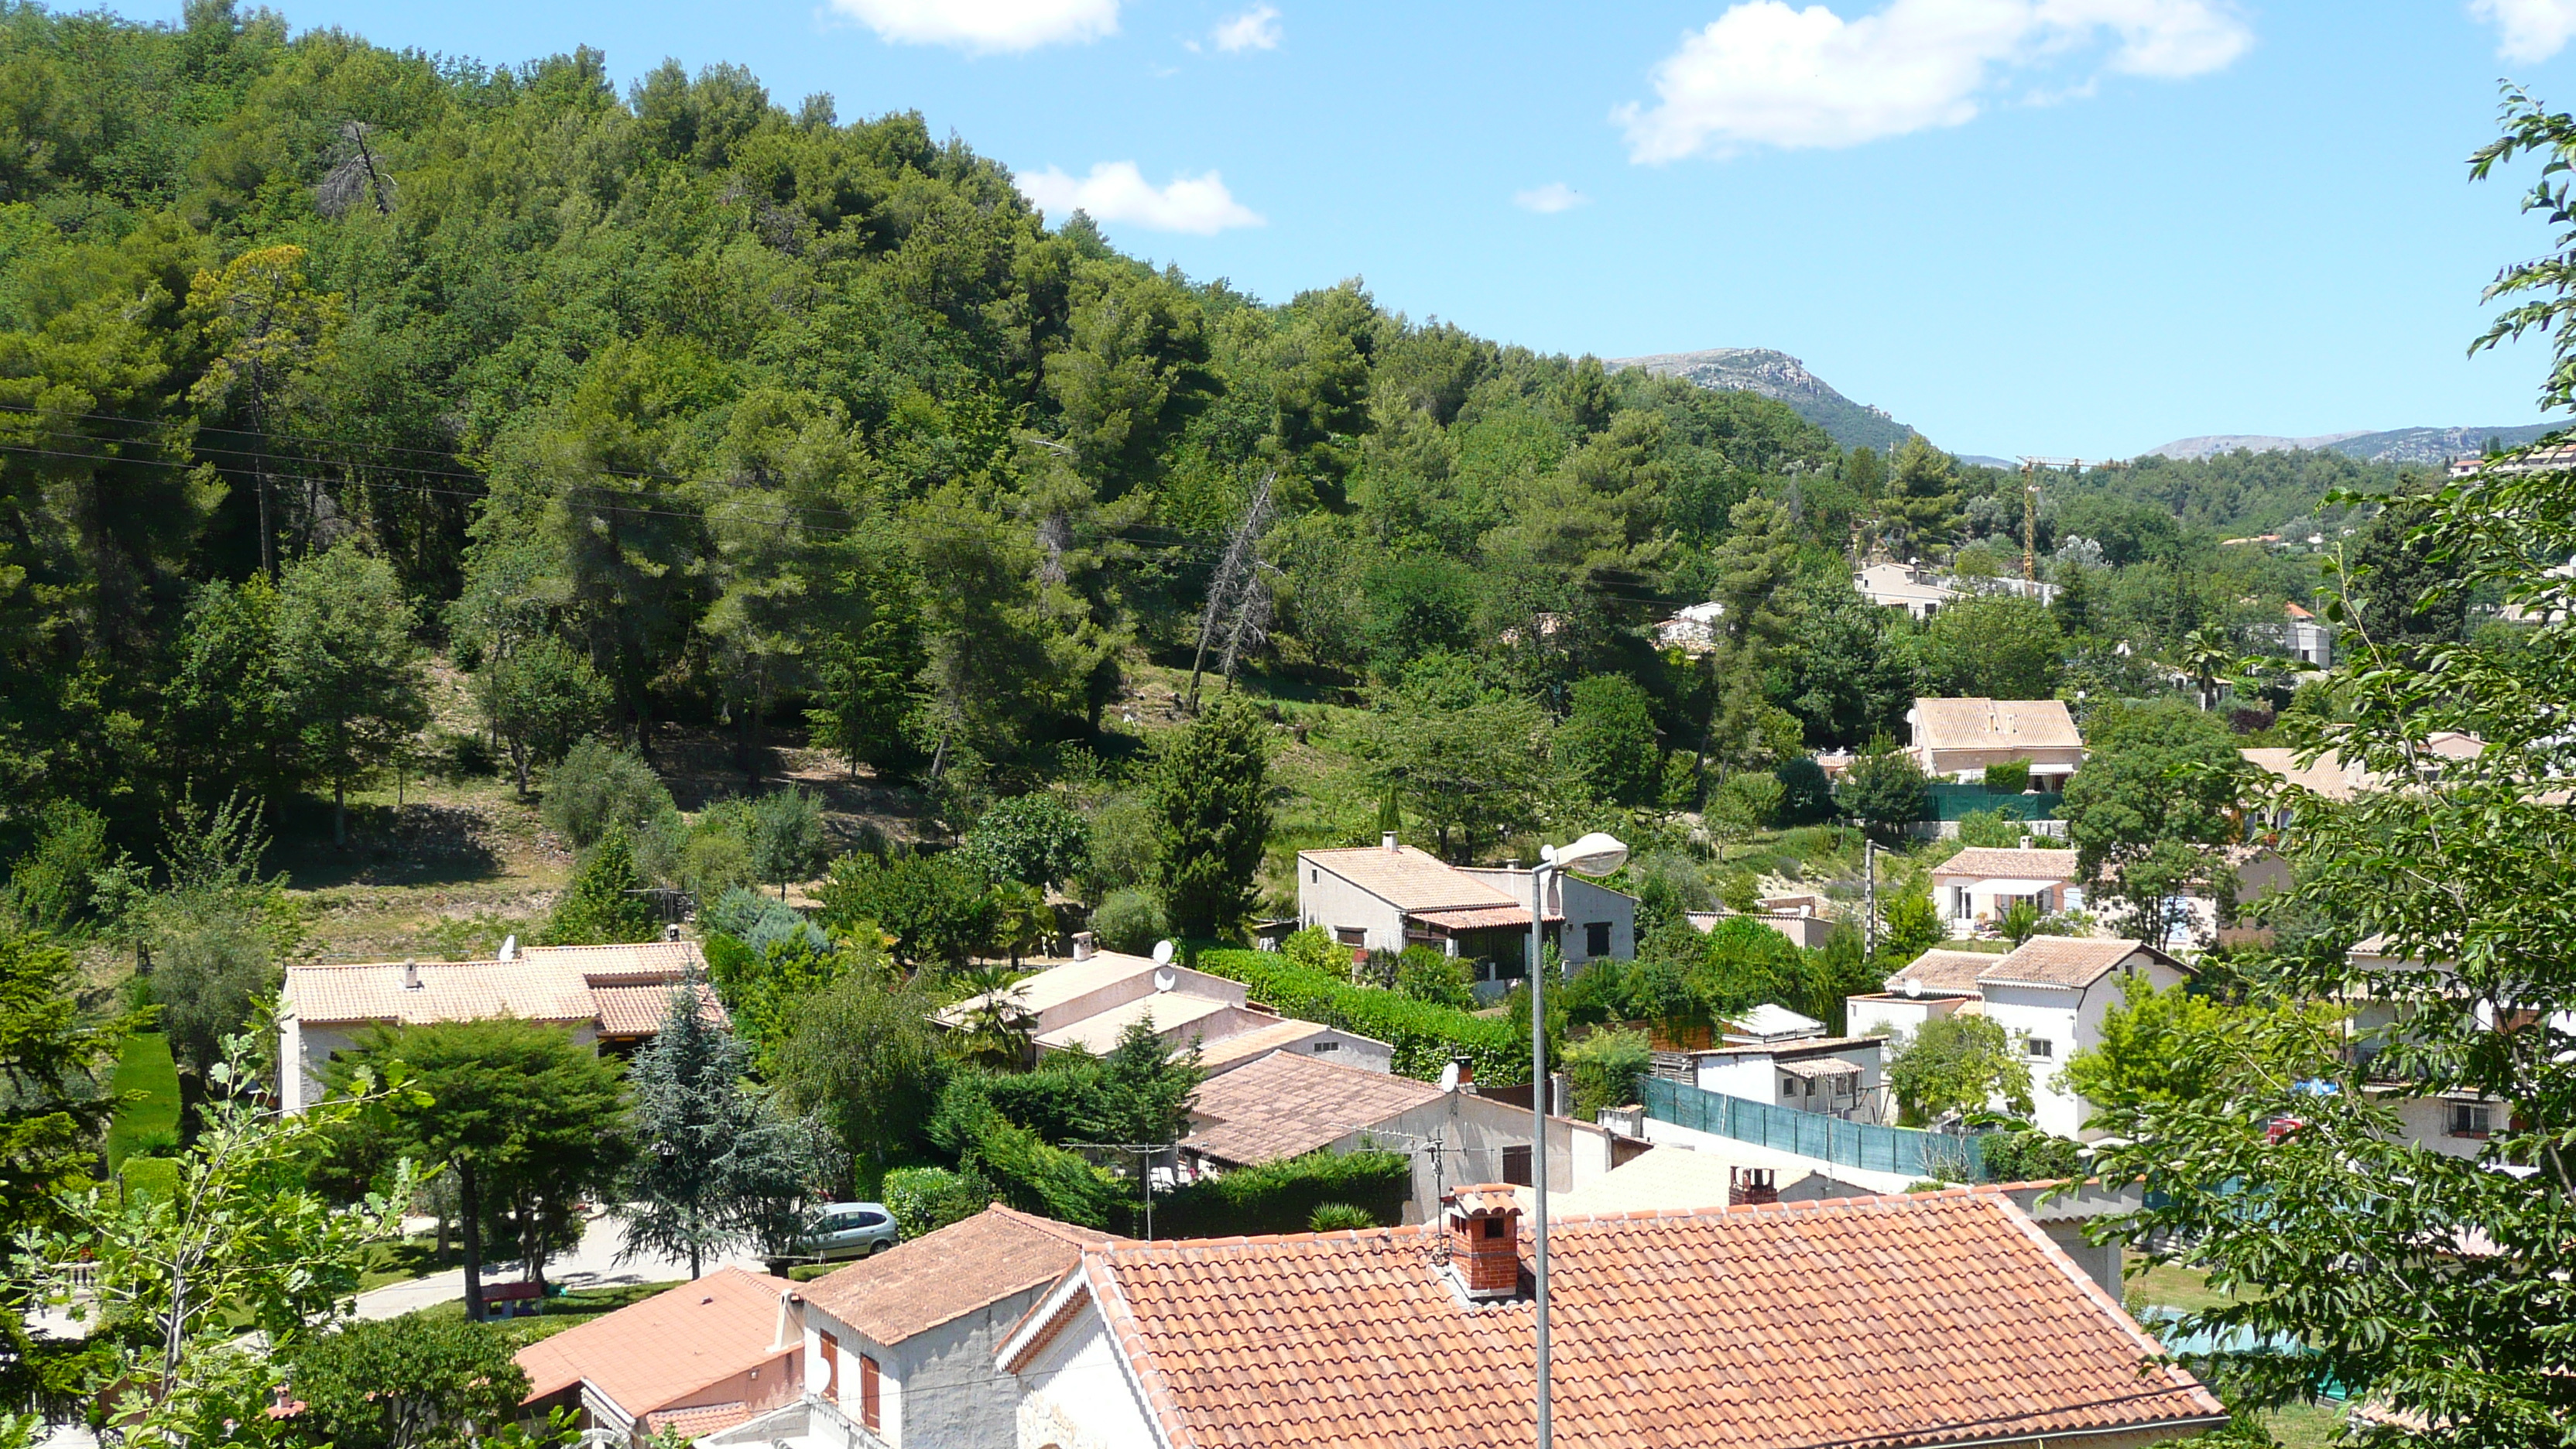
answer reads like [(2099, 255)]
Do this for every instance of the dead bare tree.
[(356, 176), (1239, 592)]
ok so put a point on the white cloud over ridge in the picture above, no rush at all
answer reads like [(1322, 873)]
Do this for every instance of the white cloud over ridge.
[(1547, 200), (1764, 74), (1255, 29), (984, 25), (2528, 30), (1116, 191)]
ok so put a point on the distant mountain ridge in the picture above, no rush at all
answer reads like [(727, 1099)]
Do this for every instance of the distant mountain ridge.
[(2398, 445), (1777, 375)]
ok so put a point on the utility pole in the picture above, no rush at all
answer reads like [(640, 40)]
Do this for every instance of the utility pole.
[(1145, 1173), (1869, 893)]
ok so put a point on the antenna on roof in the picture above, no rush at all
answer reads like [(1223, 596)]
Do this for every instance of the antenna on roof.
[(1163, 953)]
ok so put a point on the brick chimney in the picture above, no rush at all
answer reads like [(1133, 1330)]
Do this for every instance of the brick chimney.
[(1751, 1185), (1484, 1227)]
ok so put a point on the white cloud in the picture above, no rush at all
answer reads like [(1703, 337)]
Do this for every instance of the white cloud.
[(1255, 29), (1766, 74), (984, 25), (1115, 191), (1553, 197), (2530, 30)]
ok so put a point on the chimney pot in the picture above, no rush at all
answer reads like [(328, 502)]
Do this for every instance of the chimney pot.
[(671, 932), (411, 975), (1751, 1185), (1484, 1228), (1387, 839), (1082, 945)]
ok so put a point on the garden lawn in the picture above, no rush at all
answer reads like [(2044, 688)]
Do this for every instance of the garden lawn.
[(145, 1076), (554, 1315)]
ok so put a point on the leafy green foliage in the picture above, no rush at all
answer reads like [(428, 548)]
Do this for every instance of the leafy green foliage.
[(1607, 742), (1212, 813), (1885, 791), (2023, 1153), (1283, 1196), (412, 1383), (50, 886), (1034, 839), (2145, 811), (786, 837), (603, 904), (346, 663), (1956, 1064), (937, 908), (1434, 976), (2007, 777), (1339, 1217), (1992, 829), (1130, 919), (926, 1199), (1425, 1036), (1910, 927), (864, 1054), (1605, 1068), (599, 788), (1998, 647), (542, 699)]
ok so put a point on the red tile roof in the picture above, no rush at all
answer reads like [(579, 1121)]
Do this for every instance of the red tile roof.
[(1411, 880), (2069, 961), (543, 983), (949, 1273), (641, 1010), (1939, 1318), (1286, 1105), (1986, 862), (667, 1347)]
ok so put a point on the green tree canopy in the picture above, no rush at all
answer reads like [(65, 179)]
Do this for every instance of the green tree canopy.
[(1955, 1064), (1212, 818), (346, 663)]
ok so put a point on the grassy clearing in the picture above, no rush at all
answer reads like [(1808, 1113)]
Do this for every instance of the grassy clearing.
[(2169, 1285), (146, 1075), (2304, 1426)]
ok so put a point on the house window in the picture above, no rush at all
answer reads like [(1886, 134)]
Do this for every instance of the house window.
[(868, 1392), (1788, 1086), (831, 1367), (1350, 935), (1328, 1046), (1596, 938), (2468, 1119), (2041, 1048), (1961, 905), (1516, 1166)]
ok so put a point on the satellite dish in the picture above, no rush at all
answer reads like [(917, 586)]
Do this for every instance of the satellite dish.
[(1913, 989), (1162, 953), (1449, 1077), (1166, 979), (509, 948)]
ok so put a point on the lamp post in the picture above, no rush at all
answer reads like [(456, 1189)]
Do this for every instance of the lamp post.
[(1594, 854)]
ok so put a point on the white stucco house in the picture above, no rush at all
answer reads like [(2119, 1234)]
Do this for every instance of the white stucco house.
[(1901, 586), (1089, 1002), (609, 997), (1974, 888), (898, 1348), (2049, 996), (1956, 739), (1389, 896), (1838, 1076)]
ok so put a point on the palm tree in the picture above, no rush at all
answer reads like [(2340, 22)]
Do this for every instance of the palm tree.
[(998, 1030), (2207, 658)]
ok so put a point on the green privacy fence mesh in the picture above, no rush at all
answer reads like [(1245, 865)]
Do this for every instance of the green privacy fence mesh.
[(1813, 1134)]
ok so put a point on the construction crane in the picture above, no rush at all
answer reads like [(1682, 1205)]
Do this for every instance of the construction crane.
[(2030, 503)]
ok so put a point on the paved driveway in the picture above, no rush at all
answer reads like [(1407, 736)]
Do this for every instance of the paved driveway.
[(592, 1265)]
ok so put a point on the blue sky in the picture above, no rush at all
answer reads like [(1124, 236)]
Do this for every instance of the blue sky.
[(2075, 227)]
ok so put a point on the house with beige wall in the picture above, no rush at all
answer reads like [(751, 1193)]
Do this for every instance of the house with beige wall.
[(1389, 896), (1956, 739)]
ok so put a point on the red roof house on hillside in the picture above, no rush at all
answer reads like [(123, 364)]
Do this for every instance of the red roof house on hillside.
[(699, 1357)]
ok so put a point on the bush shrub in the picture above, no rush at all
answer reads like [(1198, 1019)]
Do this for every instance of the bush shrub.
[(1338, 1217), (1428, 975), (926, 1199), (2023, 1153), (1995, 829), (1283, 1196), (1806, 796), (1424, 1036), (1130, 919), (599, 787), (2008, 777), (1605, 1068)]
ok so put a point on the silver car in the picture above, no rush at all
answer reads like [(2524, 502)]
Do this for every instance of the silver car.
[(848, 1230)]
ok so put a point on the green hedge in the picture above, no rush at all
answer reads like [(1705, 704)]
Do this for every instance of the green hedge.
[(1425, 1036), (1281, 1197)]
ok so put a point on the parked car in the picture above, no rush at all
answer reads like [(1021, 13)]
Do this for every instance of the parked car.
[(848, 1230)]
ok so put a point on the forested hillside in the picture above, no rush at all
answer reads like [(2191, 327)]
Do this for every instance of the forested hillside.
[(686, 409)]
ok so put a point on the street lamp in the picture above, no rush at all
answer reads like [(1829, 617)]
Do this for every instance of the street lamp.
[(1594, 854)]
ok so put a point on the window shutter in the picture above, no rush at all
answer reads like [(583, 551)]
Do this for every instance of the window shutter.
[(868, 1392)]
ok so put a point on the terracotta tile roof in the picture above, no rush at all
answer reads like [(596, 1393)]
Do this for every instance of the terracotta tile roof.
[(1820, 1066), (1170, 1011), (1674, 1177), (1994, 724), (1939, 1318), (545, 983), (2071, 961), (697, 1419), (1982, 862), (1795, 1047), (2334, 778), (1411, 880), (1286, 1105), (641, 1010), (1477, 918), (1242, 1048), (1944, 973), (947, 1274), (667, 1347)]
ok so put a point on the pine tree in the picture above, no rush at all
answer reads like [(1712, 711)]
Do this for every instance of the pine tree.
[(602, 904), (1212, 808), (717, 1169)]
